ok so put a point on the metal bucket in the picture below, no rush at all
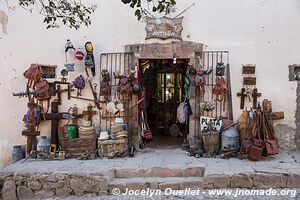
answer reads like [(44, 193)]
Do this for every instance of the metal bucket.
[(211, 142), (230, 139), (18, 153)]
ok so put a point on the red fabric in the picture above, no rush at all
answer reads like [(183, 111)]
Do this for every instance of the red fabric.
[(140, 92)]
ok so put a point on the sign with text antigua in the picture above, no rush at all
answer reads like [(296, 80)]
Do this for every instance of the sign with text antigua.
[(164, 28)]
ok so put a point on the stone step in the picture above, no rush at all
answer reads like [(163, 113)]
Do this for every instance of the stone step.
[(160, 172), (174, 183)]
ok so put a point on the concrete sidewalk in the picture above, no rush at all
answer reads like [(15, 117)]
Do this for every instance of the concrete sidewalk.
[(167, 168), (284, 163)]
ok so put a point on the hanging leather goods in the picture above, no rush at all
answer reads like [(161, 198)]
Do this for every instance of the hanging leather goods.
[(44, 92), (269, 134), (146, 131), (105, 88), (200, 82), (124, 86), (33, 74), (267, 105), (220, 90), (256, 150)]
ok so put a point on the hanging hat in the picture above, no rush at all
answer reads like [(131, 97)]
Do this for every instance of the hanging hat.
[(111, 107), (227, 123), (79, 55)]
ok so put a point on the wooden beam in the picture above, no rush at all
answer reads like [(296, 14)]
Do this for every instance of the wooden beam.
[(277, 115)]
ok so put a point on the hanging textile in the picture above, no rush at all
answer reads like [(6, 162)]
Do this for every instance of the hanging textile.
[(187, 84)]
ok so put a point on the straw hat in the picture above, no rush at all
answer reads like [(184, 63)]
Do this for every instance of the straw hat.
[(119, 120), (117, 127), (227, 123), (120, 134), (103, 135)]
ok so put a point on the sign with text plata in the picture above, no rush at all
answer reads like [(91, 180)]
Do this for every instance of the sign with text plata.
[(164, 28), (217, 123)]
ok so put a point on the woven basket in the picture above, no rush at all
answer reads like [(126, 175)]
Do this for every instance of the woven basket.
[(211, 142)]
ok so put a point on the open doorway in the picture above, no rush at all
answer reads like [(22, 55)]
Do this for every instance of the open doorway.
[(164, 91)]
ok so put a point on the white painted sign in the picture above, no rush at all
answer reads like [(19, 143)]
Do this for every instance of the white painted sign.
[(205, 120)]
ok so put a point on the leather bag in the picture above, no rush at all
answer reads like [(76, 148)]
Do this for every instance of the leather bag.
[(43, 93), (43, 90), (255, 153), (146, 131), (124, 87), (269, 135), (33, 73), (220, 89)]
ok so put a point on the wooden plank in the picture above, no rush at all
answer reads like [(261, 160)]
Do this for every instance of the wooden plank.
[(248, 69), (57, 116), (277, 115), (229, 94), (54, 124)]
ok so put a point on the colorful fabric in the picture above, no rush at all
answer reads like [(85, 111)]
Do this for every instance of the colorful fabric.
[(79, 55), (187, 84)]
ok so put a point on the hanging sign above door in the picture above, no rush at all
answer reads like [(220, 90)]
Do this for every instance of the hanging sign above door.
[(164, 28)]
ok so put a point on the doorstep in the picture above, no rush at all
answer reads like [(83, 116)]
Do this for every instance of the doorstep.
[(167, 168)]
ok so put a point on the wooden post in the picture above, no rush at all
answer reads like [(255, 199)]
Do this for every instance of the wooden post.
[(229, 94), (242, 94), (54, 123), (255, 95), (31, 131)]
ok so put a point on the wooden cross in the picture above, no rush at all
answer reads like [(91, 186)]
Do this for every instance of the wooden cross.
[(55, 116), (89, 113), (242, 94), (31, 132), (254, 96)]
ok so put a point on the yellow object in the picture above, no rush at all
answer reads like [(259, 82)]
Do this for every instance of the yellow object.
[(52, 150)]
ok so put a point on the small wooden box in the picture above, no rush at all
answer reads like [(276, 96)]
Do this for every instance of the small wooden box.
[(113, 148), (77, 146), (248, 69), (249, 81)]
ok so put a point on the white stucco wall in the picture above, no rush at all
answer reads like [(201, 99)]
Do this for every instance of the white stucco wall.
[(261, 32)]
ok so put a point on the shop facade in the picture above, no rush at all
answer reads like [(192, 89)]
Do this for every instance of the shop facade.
[(254, 42)]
